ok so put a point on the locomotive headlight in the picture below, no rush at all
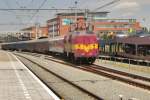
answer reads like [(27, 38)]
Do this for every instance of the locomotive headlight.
[(82, 54), (90, 54)]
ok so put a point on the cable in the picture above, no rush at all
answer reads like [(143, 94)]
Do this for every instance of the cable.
[(17, 3), (2, 24), (38, 9), (105, 5), (42, 4), (30, 2), (14, 13)]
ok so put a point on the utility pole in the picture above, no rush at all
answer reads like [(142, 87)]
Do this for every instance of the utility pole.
[(37, 25), (103, 6), (76, 11), (53, 30)]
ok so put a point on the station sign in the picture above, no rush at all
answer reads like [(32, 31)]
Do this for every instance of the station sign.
[(66, 21)]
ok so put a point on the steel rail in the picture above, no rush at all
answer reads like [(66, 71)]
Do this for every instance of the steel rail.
[(118, 77), (62, 78), (107, 72), (122, 73)]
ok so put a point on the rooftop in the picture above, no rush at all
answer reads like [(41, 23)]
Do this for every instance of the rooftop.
[(135, 40), (81, 13)]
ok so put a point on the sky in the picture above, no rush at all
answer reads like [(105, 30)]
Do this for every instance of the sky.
[(15, 20)]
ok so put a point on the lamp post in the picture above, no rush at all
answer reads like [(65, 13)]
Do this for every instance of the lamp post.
[(37, 26)]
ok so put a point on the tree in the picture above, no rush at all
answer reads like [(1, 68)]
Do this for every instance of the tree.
[(145, 30)]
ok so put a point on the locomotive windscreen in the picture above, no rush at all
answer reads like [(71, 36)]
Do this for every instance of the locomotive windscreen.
[(86, 39)]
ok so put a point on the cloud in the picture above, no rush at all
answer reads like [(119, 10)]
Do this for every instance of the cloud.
[(126, 8), (147, 2), (127, 5), (128, 14)]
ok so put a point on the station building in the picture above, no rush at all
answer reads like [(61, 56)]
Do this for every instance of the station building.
[(65, 22), (60, 25)]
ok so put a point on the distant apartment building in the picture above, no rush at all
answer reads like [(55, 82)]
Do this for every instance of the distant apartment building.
[(61, 24), (37, 32), (114, 26), (13, 36)]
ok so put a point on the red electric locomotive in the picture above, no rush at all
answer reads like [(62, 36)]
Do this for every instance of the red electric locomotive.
[(81, 46)]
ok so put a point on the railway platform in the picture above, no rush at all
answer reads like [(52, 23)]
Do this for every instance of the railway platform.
[(125, 67), (18, 83)]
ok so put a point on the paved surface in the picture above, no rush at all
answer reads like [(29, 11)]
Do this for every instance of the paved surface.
[(18, 83), (104, 87)]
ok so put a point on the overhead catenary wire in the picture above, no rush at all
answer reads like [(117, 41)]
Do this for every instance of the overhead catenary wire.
[(42, 4), (24, 6), (21, 8), (105, 5), (36, 10), (13, 12), (17, 3)]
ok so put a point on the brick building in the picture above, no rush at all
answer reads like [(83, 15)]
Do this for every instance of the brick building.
[(63, 22), (114, 26), (13, 36), (37, 32)]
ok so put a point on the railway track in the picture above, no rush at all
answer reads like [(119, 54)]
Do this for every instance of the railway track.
[(42, 69), (121, 73), (131, 79)]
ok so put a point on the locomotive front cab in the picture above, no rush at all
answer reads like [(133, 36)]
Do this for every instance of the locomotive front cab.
[(85, 47)]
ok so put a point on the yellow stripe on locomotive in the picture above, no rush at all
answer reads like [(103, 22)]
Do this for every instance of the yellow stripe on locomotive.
[(85, 47)]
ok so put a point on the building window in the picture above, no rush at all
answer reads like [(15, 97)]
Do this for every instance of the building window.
[(113, 26)]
